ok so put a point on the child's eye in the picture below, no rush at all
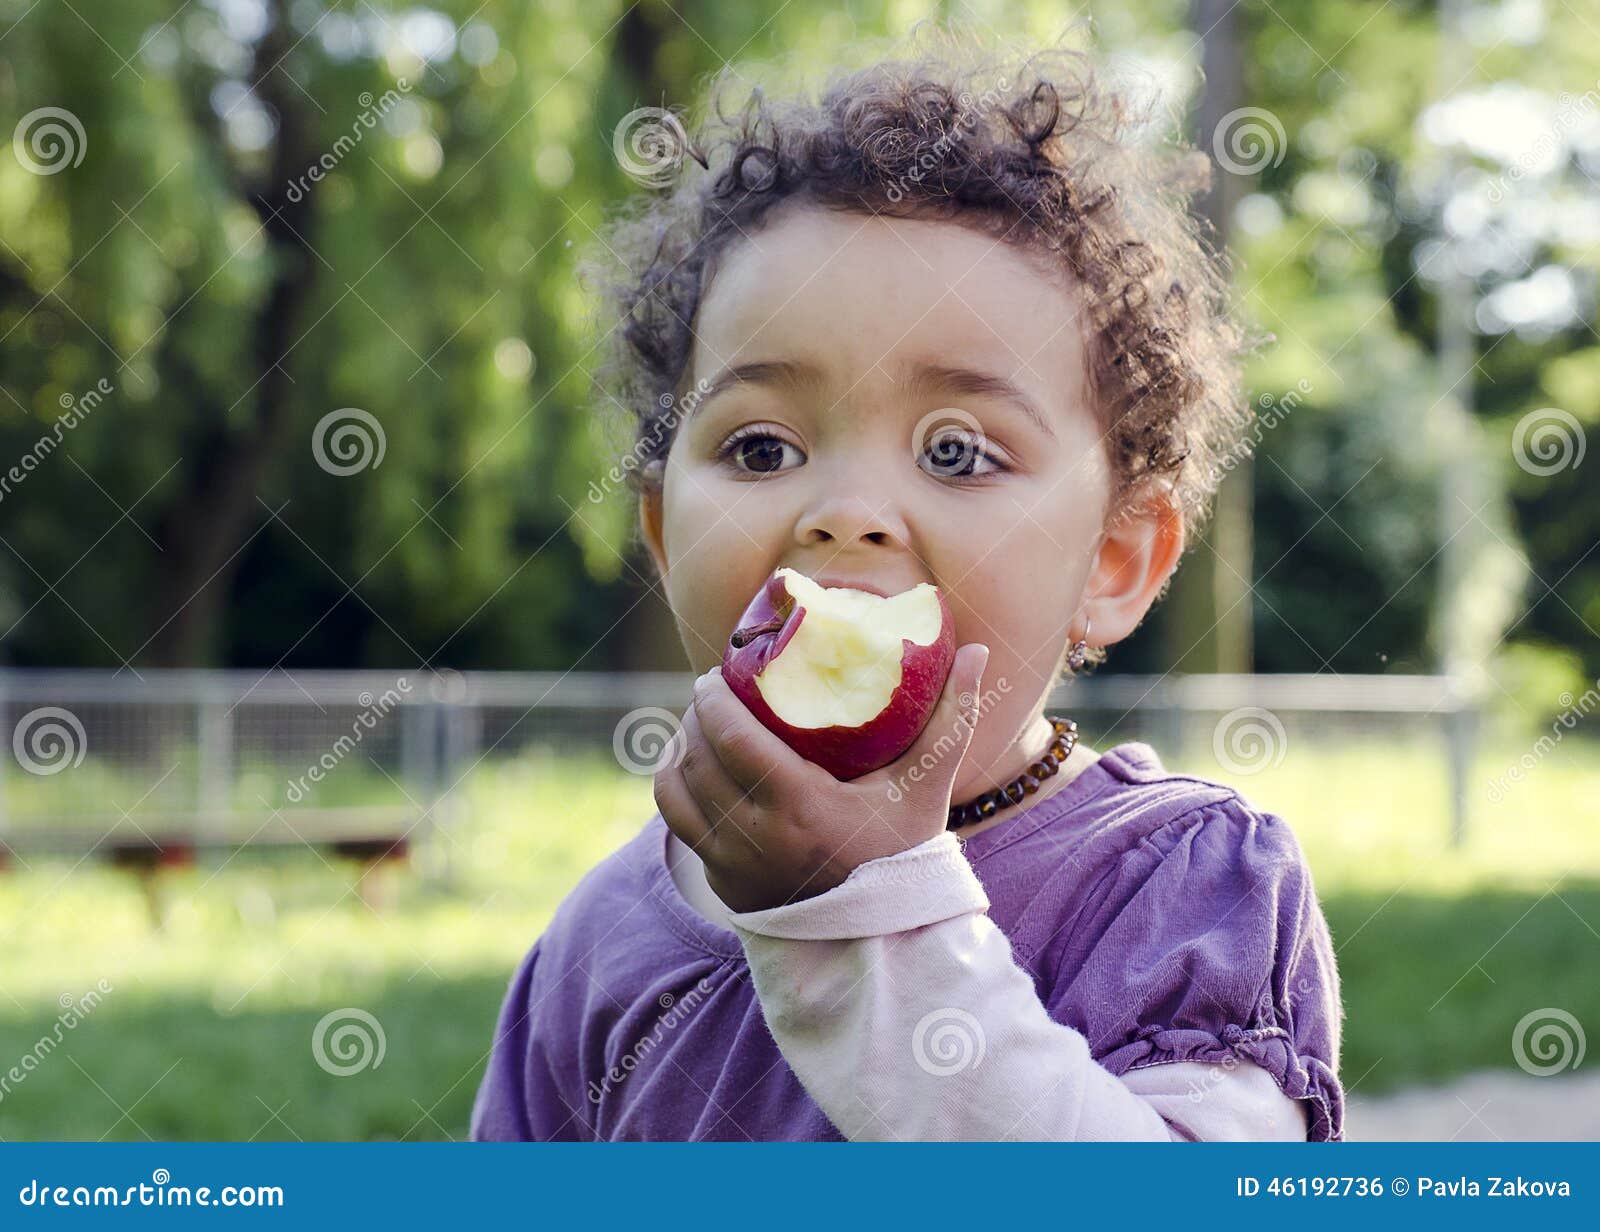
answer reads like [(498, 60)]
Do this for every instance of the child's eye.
[(953, 455), (760, 452)]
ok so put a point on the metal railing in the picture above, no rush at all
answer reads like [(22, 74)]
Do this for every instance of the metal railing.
[(228, 759)]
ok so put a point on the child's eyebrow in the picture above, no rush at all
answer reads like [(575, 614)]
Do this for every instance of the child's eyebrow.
[(787, 374), (929, 378), (921, 379)]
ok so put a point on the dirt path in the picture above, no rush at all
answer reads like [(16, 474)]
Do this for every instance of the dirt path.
[(1491, 1106)]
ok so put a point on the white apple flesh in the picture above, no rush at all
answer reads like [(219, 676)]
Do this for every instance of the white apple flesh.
[(846, 678)]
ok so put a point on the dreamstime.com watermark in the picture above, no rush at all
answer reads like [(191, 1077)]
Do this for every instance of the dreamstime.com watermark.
[(373, 111), (676, 410), (966, 123), (372, 709), (1214, 1075), (73, 412), (973, 707), (1275, 408), (1267, 1016), (157, 1191), (1268, 1012), (73, 1011), (676, 1010), (1572, 709), (1571, 113)]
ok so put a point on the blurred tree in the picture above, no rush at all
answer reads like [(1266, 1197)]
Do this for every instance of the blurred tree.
[(317, 254), (302, 282), (1207, 614), (1357, 230)]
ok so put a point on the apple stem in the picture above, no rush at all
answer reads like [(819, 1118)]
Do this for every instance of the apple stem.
[(743, 637)]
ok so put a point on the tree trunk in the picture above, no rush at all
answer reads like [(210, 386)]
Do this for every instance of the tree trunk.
[(204, 527), (1209, 616)]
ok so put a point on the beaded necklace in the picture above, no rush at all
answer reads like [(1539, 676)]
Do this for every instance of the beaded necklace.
[(1024, 785)]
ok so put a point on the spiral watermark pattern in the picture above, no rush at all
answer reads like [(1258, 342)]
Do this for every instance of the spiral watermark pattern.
[(649, 144), (347, 1041), (1249, 740), (947, 1041), (1548, 440), (49, 740), (1547, 1041), (48, 140), (348, 440), (648, 740), (953, 448), (1248, 139)]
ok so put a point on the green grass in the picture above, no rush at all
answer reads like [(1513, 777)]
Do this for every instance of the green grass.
[(206, 1032)]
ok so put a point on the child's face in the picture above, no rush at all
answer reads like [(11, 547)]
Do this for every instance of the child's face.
[(833, 480)]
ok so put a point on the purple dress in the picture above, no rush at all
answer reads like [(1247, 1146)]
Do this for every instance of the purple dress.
[(1159, 914)]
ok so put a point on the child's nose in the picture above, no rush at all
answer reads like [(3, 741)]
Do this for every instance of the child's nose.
[(849, 517)]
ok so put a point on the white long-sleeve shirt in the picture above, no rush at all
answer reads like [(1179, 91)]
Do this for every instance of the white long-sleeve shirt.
[(897, 1003)]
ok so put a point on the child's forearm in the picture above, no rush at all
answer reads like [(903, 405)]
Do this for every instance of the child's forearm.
[(897, 1003)]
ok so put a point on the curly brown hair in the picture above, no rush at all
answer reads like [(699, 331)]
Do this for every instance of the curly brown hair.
[(1033, 151)]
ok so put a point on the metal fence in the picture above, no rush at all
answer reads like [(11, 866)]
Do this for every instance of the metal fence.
[(199, 760)]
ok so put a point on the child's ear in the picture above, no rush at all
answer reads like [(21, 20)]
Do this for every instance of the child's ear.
[(1139, 550), (650, 520)]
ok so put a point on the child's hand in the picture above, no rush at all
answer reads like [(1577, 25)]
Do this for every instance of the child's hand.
[(773, 828)]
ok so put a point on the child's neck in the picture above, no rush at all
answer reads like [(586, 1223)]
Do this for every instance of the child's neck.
[(1023, 755)]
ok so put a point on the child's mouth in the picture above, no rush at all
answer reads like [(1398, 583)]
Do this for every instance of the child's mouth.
[(846, 676)]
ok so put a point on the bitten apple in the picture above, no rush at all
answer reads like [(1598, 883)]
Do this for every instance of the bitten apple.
[(846, 678)]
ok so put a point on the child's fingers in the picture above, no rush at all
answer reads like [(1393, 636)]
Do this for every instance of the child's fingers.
[(938, 751), (677, 806), (719, 796), (753, 757)]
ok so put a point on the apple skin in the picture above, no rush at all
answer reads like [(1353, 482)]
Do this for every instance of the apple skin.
[(847, 753)]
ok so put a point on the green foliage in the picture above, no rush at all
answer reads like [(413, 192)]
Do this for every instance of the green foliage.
[(420, 279), (206, 1032), (428, 280)]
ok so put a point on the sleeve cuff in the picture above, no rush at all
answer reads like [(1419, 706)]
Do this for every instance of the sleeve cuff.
[(913, 888)]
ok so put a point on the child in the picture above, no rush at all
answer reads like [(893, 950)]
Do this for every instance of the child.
[(939, 257)]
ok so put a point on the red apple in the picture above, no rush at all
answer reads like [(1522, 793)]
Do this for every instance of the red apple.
[(845, 677)]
